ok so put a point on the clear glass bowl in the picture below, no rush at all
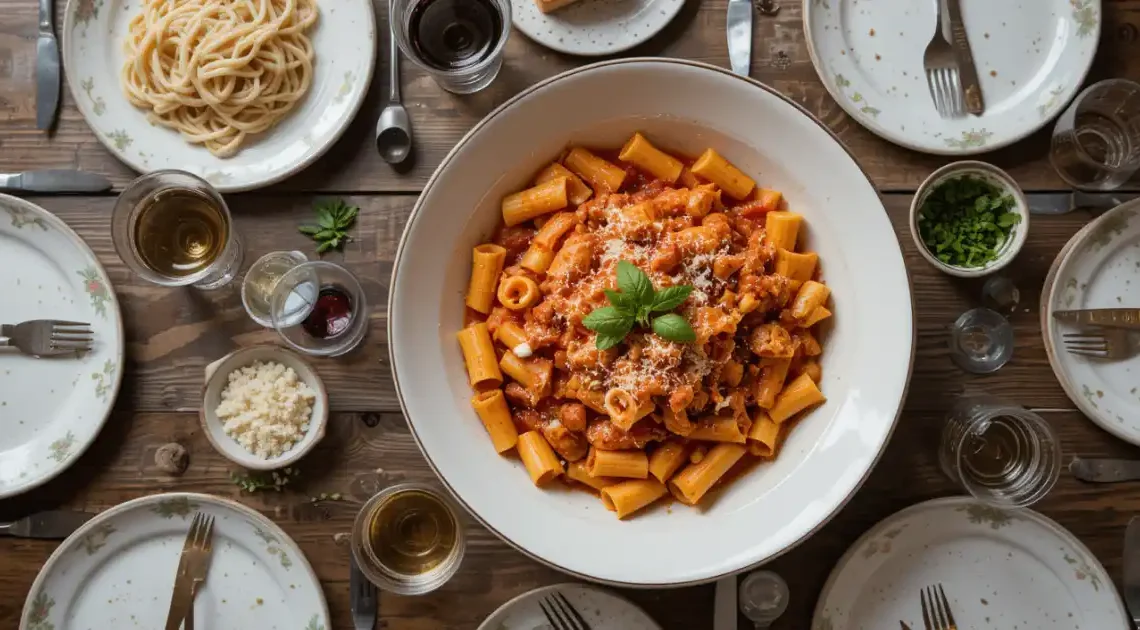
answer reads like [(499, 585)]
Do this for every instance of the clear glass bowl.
[(310, 297)]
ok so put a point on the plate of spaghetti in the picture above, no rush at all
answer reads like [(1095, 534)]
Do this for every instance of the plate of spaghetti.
[(240, 92), (667, 342)]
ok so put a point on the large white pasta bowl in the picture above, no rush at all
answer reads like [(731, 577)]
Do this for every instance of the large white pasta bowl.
[(684, 107)]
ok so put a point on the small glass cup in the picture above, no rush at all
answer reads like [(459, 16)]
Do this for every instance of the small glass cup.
[(981, 341), (319, 308), (999, 452), (1096, 141), (190, 232), (426, 531), (260, 281), (458, 42), (763, 597)]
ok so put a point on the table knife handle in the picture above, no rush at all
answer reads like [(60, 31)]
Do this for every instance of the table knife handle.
[(45, 17), (1105, 470)]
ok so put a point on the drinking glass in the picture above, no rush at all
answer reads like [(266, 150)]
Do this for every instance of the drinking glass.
[(999, 452), (260, 281), (322, 297), (458, 42), (1096, 142), (981, 341), (140, 194)]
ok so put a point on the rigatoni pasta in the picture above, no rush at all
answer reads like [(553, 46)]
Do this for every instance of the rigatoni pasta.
[(638, 409)]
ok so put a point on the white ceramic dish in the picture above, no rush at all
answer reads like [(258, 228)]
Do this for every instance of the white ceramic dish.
[(1096, 270), (217, 377), (993, 175), (764, 513), (999, 569), (600, 609), (1031, 60), (344, 39), (594, 27), (117, 571), (51, 410)]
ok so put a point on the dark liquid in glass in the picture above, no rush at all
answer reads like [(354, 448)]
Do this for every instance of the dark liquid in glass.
[(331, 315), (455, 34)]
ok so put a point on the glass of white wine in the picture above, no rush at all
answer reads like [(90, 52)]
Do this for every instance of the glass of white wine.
[(173, 229)]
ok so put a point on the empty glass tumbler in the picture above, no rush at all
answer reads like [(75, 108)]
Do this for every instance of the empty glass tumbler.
[(1096, 142)]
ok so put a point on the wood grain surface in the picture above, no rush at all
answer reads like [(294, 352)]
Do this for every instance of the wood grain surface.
[(780, 59), (173, 334)]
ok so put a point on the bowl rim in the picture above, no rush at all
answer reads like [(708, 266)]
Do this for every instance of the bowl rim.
[(414, 216), (966, 167), (317, 423)]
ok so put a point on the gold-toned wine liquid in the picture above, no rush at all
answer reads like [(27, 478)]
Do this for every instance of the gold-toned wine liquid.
[(180, 232), (411, 533)]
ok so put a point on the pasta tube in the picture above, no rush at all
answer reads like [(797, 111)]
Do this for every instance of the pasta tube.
[(578, 472), (539, 458), (535, 202), (496, 416), (602, 175), (713, 167), (487, 264), (691, 484), (576, 190), (626, 464), (800, 394), (667, 458), (627, 497), (642, 154), (479, 354)]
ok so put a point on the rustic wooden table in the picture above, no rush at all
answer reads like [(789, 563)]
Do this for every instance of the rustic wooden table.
[(173, 334)]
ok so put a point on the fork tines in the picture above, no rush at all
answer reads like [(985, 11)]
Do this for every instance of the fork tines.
[(70, 335), (936, 613), (946, 89), (561, 613), (1086, 344)]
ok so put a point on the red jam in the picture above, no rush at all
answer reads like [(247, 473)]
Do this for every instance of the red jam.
[(331, 315)]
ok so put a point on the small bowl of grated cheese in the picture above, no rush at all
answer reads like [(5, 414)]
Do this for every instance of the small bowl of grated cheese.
[(263, 407)]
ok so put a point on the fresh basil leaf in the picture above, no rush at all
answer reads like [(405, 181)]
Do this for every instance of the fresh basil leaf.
[(309, 229), (324, 247), (674, 328), (608, 321), (670, 298), (624, 303), (605, 342), (633, 282), (326, 219)]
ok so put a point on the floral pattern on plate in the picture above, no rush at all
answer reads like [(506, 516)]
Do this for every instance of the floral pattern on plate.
[(600, 608), (247, 586), (1022, 568), (594, 27), (53, 409), (1030, 63)]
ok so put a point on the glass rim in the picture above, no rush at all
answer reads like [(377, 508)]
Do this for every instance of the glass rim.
[(132, 260), (496, 54), (341, 343), (1048, 471), (294, 254)]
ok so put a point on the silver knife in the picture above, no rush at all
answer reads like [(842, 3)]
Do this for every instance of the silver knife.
[(724, 604), (54, 181), (966, 70), (1105, 470), (1108, 317), (740, 36), (1063, 203), (1132, 569), (47, 69), (55, 524)]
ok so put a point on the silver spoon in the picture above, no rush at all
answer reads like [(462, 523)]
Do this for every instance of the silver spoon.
[(394, 129), (763, 598)]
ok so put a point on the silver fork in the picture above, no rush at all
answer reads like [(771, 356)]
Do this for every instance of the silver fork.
[(47, 337), (1101, 343), (561, 614), (936, 613), (942, 71), (362, 598)]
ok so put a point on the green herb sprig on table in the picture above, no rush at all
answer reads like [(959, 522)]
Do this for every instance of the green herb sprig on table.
[(637, 302), (965, 221), (334, 219), (258, 481)]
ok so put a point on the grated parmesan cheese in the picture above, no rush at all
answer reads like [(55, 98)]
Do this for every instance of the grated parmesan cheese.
[(266, 408)]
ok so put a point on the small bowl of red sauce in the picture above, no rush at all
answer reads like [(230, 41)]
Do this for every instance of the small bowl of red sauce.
[(319, 308)]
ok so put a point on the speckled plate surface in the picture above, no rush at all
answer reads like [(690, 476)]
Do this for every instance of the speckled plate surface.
[(344, 40), (600, 608), (52, 409), (1098, 269), (594, 27), (1000, 570), (117, 571), (1031, 57)]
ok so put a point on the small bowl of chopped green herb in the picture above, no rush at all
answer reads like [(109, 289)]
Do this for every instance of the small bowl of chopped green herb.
[(969, 219)]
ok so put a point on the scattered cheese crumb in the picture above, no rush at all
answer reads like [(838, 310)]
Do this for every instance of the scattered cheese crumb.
[(266, 408)]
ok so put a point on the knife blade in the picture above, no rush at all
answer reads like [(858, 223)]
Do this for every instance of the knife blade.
[(54, 181), (1063, 203), (740, 36), (965, 57), (724, 604), (1108, 317), (47, 69), (1104, 470), (1132, 568), (57, 524)]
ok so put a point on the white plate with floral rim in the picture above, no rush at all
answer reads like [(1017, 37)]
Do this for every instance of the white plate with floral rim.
[(344, 40), (1031, 57), (594, 27), (117, 571), (999, 569), (52, 409), (1096, 270), (600, 608)]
